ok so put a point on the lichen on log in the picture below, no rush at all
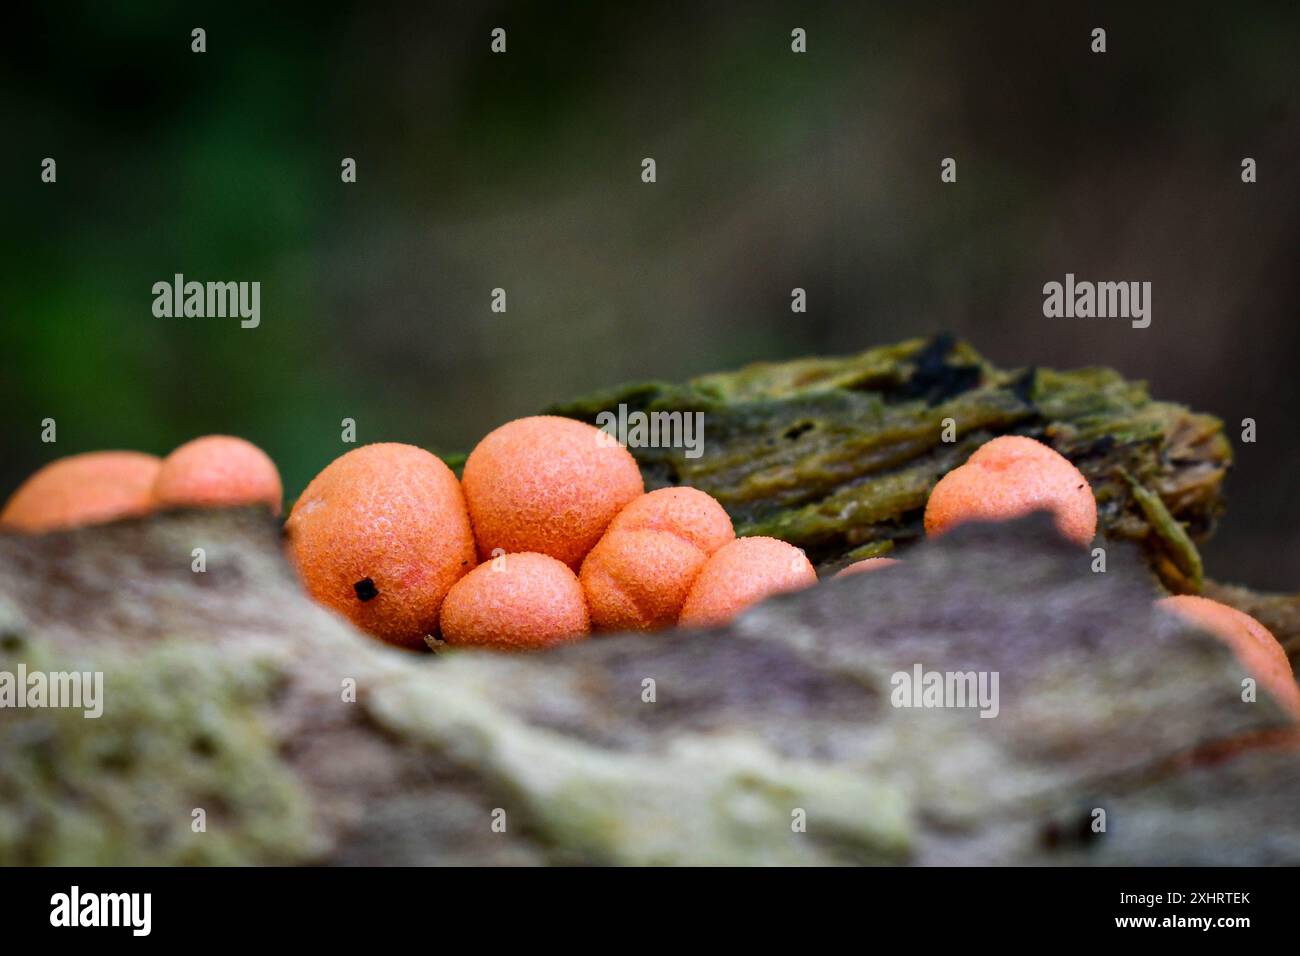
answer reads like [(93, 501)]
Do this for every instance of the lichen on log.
[(227, 691)]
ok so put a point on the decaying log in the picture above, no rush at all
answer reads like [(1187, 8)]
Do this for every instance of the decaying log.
[(838, 455), (226, 691), (243, 724)]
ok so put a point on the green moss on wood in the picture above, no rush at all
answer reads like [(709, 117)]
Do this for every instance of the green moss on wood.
[(838, 455)]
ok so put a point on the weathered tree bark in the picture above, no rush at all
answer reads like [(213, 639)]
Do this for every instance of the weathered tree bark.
[(225, 692)]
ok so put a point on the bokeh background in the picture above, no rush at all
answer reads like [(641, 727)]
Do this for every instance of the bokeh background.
[(522, 171)]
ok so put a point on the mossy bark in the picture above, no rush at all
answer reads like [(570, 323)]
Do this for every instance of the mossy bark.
[(838, 455)]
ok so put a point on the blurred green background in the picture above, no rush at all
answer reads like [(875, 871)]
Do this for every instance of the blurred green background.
[(522, 171)]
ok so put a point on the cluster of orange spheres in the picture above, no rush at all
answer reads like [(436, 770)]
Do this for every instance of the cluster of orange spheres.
[(550, 535), (213, 471)]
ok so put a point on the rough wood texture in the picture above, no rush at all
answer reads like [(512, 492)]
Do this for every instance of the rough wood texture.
[(224, 692), (838, 455)]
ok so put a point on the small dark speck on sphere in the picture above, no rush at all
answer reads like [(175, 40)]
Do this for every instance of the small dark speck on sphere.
[(366, 590)]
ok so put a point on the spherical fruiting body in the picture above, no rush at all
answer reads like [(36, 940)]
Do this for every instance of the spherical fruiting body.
[(866, 565), (638, 575), (218, 471), (638, 580), (516, 602), (380, 536), (1009, 477), (691, 514), (84, 489), (1009, 447), (1256, 649), (547, 484), (740, 575)]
